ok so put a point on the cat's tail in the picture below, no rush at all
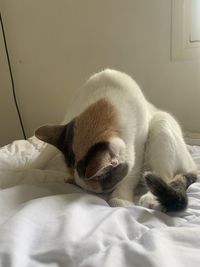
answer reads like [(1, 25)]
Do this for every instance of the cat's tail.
[(172, 196)]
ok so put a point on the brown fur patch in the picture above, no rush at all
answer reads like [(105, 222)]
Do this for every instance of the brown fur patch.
[(179, 179), (70, 171), (183, 180), (194, 172), (99, 122)]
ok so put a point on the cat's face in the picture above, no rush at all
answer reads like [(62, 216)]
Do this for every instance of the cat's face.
[(92, 147)]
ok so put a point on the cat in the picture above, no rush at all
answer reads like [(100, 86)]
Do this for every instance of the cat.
[(112, 138)]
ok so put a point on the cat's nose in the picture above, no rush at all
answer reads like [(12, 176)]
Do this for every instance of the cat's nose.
[(114, 162)]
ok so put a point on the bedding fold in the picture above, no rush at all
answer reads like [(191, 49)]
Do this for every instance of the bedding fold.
[(46, 222)]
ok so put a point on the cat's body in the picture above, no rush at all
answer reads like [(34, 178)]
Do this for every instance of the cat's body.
[(111, 134)]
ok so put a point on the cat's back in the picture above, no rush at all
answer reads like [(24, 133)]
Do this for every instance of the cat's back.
[(117, 87), (112, 81)]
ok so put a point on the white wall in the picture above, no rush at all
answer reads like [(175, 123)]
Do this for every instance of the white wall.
[(9, 122), (56, 45)]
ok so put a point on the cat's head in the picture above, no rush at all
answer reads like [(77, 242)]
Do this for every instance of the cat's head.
[(92, 147)]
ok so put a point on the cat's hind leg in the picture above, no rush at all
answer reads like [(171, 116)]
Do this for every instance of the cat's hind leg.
[(171, 196), (170, 165)]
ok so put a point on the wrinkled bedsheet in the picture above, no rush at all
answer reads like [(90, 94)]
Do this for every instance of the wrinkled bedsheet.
[(46, 222)]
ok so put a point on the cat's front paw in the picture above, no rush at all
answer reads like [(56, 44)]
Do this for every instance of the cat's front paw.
[(116, 202), (148, 200)]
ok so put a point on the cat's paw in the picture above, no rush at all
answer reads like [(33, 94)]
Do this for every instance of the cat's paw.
[(116, 202), (148, 200)]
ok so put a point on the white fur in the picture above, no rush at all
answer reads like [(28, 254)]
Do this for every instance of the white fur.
[(148, 200), (142, 124)]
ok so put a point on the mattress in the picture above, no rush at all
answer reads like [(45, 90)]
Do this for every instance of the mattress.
[(46, 222)]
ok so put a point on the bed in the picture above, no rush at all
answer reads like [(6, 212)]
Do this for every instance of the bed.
[(46, 222)]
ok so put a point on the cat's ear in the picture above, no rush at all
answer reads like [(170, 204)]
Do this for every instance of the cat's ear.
[(51, 134)]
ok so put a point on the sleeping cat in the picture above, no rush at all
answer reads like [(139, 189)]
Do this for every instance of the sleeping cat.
[(112, 137)]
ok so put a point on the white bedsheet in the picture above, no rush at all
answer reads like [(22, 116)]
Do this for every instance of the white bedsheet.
[(44, 222)]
